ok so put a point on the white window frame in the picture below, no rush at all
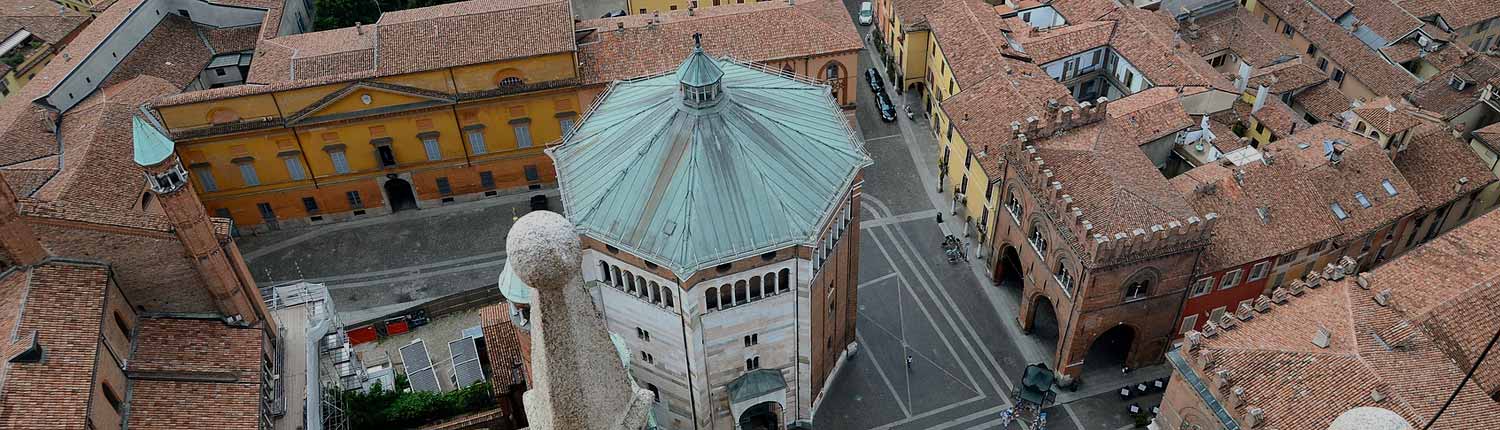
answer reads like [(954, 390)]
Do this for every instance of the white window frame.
[(476, 141), (1218, 313), (294, 168), (523, 134), (1188, 322), (1230, 280), (248, 173), (1258, 271), (340, 161), (205, 175), (433, 148), (1202, 286)]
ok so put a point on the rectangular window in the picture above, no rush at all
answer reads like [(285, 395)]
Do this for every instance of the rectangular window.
[(1202, 286), (487, 180), (1286, 29), (1230, 280), (1287, 258), (111, 397), (444, 187), (266, 213), (1189, 323), (434, 152), (476, 142), (294, 168), (1323, 64), (523, 134), (1363, 201), (205, 176), (354, 201), (532, 175), (1216, 315), (1312, 49), (340, 164), (1338, 211), (566, 124), (310, 204), (1259, 271), (247, 171), (1338, 75)]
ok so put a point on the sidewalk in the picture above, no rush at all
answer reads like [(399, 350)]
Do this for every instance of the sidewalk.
[(923, 145)]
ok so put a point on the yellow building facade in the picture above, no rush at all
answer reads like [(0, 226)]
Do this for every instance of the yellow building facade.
[(643, 7), (371, 146)]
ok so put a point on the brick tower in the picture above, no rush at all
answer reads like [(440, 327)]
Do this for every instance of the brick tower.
[(18, 245), (233, 291)]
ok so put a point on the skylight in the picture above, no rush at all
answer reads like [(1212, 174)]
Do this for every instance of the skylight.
[(1338, 211), (1389, 187), (1363, 202)]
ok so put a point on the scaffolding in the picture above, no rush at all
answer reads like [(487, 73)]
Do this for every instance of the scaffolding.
[(331, 367)]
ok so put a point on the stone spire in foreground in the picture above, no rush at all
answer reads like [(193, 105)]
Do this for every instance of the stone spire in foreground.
[(580, 383)]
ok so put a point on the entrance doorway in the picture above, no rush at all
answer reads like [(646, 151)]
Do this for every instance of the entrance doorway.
[(1044, 322), (399, 191), (762, 416), (1008, 269), (1110, 351)]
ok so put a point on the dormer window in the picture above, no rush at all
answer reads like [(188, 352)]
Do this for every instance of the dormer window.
[(168, 181), (1457, 83)]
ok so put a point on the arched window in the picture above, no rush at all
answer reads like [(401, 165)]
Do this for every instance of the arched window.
[(726, 296), (1359, 127), (770, 283), (784, 281), (509, 78), (641, 281), (1038, 239), (667, 298), (833, 74), (655, 293), (604, 271), (740, 295), (629, 282), (711, 299), (1138, 286), (755, 288), (619, 283), (1063, 277), (786, 70)]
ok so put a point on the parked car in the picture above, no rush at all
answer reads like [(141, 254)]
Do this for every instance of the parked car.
[(873, 77), (866, 13), (887, 110), (614, 13), (539, 202)]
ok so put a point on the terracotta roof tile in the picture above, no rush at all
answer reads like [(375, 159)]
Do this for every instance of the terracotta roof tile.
[(760, 32), (1386, 115), (1294, 216), (1344, 48), (173, 51), (45, 20), (1287, 76), (201, 349), (1236, 30), (471, 32), (1437, 95), (1045, 46), (1323, 101), (63, 306), (1363, 168), (502, 346), (1458, 13)]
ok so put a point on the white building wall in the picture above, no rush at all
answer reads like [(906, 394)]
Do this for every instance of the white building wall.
[(770, 319), (624, 313)]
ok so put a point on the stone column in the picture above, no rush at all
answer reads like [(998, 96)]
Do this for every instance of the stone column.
[(580, 382)]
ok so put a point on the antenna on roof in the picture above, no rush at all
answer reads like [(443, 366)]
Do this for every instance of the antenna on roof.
[(698, 40)]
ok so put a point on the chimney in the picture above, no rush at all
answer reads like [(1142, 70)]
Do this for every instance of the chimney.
[(1102, 106), (359, 28), (1260, 98), (1459, 187), (1458, 130), (1383, 298), (1239, 176), (1254, 417), (620, 27)]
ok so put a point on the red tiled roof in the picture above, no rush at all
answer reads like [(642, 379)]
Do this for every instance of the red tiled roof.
[(1236, 30), (63, 306), (1300, 386), (1363, 168), (1323, 101), (1434, 161), (1356, 59), (761, 32), (1286, 76), (45, 20), (1045, 46), (1295, 217), (183, 367), (1437, 95), (501, 346), (1458, 13), (1386, 116)]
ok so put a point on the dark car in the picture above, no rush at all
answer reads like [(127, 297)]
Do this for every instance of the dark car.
[(887, 110), (539, 202), (873, 77)]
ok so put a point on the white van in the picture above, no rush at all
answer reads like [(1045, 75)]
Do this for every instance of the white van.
[(866, 13)]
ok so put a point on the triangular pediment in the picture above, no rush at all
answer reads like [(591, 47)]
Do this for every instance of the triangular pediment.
[(369, 96)]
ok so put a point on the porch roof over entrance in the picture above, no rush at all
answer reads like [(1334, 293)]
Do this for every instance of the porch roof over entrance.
[(755, 384)]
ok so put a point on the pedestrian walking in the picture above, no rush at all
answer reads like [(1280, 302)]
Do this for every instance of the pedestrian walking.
[(908, 361)]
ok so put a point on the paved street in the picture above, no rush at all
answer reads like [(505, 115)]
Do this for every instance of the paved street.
[(960, 330)]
